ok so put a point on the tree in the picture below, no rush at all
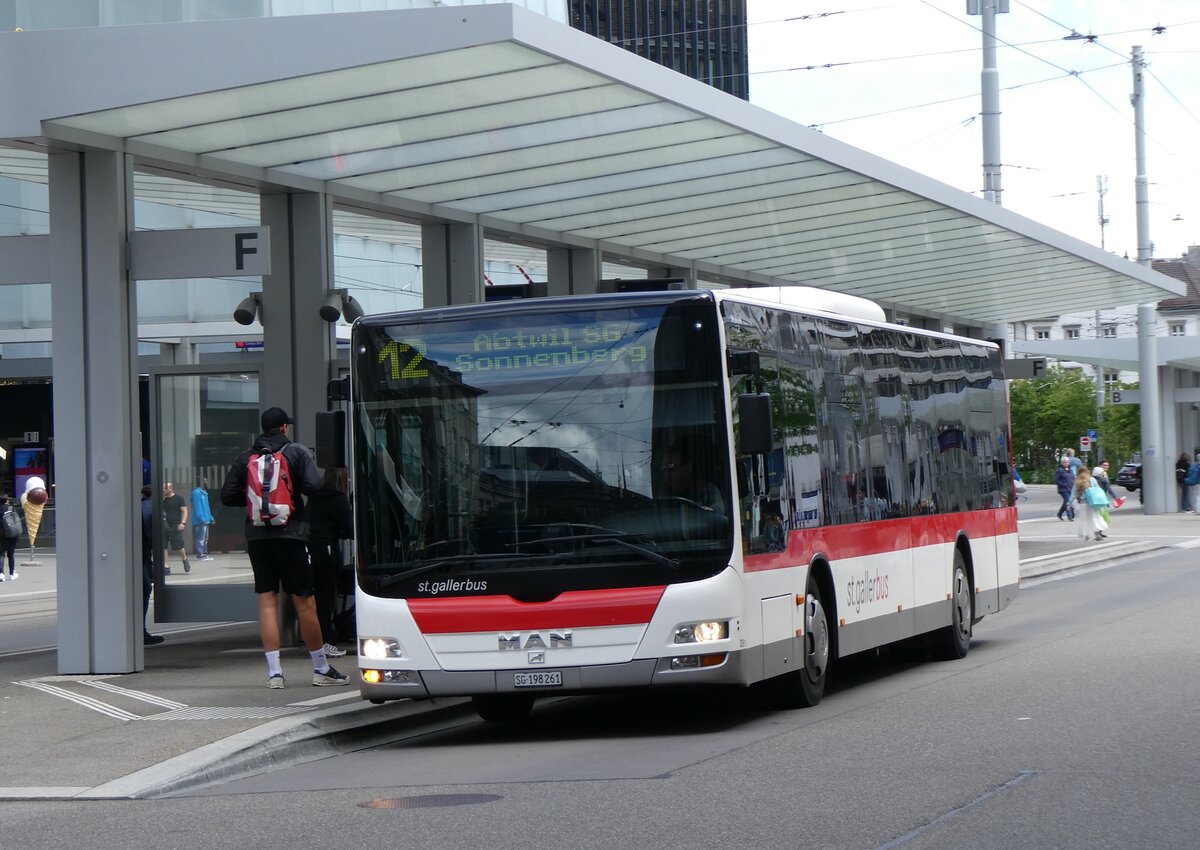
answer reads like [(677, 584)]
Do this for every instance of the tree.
[(1049, 414)]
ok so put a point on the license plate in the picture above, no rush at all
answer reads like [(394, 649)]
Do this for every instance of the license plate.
[(540, 679)]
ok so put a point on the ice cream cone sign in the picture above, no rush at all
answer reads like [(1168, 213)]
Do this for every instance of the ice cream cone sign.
[(33, 500)]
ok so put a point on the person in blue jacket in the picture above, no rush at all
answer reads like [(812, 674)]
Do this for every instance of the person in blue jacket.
[(202, 520), (1064, 482)]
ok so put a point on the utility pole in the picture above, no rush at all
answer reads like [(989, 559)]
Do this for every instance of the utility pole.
[(1156, 472), (1101, 190), (989, 90), (1141, 184)]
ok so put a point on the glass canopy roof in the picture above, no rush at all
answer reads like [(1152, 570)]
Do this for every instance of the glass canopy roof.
[(533, 129)]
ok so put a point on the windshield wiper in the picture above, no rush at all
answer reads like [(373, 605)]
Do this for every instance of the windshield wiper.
[(612, 537)]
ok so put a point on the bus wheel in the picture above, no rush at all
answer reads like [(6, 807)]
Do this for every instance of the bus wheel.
[(816, 647), (503, 708), (804, 687), (954, 640)]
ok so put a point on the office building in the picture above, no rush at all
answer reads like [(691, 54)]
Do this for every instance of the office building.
[(705, 39)]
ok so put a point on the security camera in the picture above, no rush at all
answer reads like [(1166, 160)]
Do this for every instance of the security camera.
[(340, 304), (249, 309)]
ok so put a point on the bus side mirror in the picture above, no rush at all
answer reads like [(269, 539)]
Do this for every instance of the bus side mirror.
[(754, 419), (331, 438)]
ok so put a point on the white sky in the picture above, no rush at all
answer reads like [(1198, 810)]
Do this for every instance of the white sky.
[(1066, 118)]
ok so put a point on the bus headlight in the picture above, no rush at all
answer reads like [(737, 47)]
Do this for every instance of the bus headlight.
[(379, 648), (709, 630)]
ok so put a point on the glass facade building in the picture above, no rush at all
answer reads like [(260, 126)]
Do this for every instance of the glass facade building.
[(704, 39)]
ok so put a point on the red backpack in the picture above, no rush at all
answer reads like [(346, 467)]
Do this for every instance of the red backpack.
[(269, 497)]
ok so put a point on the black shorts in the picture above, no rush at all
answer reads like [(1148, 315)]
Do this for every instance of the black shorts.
[(174, 539), (281, 562)]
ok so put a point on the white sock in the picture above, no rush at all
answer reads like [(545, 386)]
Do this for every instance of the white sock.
[(273, 668), (320, 665)]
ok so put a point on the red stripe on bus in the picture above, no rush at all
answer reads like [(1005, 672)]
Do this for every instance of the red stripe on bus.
[(857, 540), (573, 609)]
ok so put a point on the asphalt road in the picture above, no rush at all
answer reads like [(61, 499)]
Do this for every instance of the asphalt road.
[(1071, 724)]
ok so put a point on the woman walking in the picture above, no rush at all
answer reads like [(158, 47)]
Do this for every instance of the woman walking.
[(1092, 500)]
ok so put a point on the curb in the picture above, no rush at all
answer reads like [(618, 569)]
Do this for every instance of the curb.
[(280, 743), (1090, 554)]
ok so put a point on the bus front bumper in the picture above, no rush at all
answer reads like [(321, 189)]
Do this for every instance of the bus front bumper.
[(633, 675)]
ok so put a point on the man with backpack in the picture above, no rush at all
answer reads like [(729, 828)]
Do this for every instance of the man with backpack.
[(270, 480)]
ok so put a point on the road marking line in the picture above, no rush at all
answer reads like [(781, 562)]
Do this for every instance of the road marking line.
[(86, 702), (138, 695), (331, 698)]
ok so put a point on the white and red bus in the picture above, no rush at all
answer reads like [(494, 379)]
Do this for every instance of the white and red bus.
[(663, 489)]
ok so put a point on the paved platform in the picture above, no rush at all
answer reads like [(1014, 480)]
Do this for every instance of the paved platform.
[(201, 712)]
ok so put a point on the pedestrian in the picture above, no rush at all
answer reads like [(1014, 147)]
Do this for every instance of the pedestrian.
[(175, 516), (330, 521), (1100, 476), (148, 564), (1182, 465), (1075, 462), (1064, 482), (1092, 525), (270, 479), (202, 520), (1192, 480), (10, 532)]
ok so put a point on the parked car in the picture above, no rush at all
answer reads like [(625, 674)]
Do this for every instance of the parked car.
[(1130, 477)]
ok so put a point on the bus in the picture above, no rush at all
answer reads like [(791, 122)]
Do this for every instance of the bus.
[(669, 489)]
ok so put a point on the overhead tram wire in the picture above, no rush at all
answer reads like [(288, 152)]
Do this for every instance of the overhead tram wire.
[(971, 96)]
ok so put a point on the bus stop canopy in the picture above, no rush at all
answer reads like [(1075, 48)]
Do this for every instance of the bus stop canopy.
[(497, 116)]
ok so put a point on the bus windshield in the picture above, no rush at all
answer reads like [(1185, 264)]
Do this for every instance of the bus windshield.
[(526, 450)]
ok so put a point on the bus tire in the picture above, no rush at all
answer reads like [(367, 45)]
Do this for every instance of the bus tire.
[(804, 687), (503, 708), (953, 641)]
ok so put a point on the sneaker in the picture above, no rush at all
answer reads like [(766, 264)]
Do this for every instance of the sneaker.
[(166, 571), (330, 678), (205, 558), (13, 576), (1, 576), (275, 682), (187, 565), (332, 651), (150, 640)]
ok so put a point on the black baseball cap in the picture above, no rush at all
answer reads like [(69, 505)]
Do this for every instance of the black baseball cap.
[(275, 417)]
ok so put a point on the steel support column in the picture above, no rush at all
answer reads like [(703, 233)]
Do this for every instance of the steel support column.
[(451, 264), (1158, 473), (97, 467), (574, 271), (298, 345)]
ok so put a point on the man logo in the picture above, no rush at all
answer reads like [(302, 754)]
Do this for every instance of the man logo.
[(534, 640)]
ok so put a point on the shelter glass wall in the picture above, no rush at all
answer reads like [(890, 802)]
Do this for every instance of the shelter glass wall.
[(201, 422)]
